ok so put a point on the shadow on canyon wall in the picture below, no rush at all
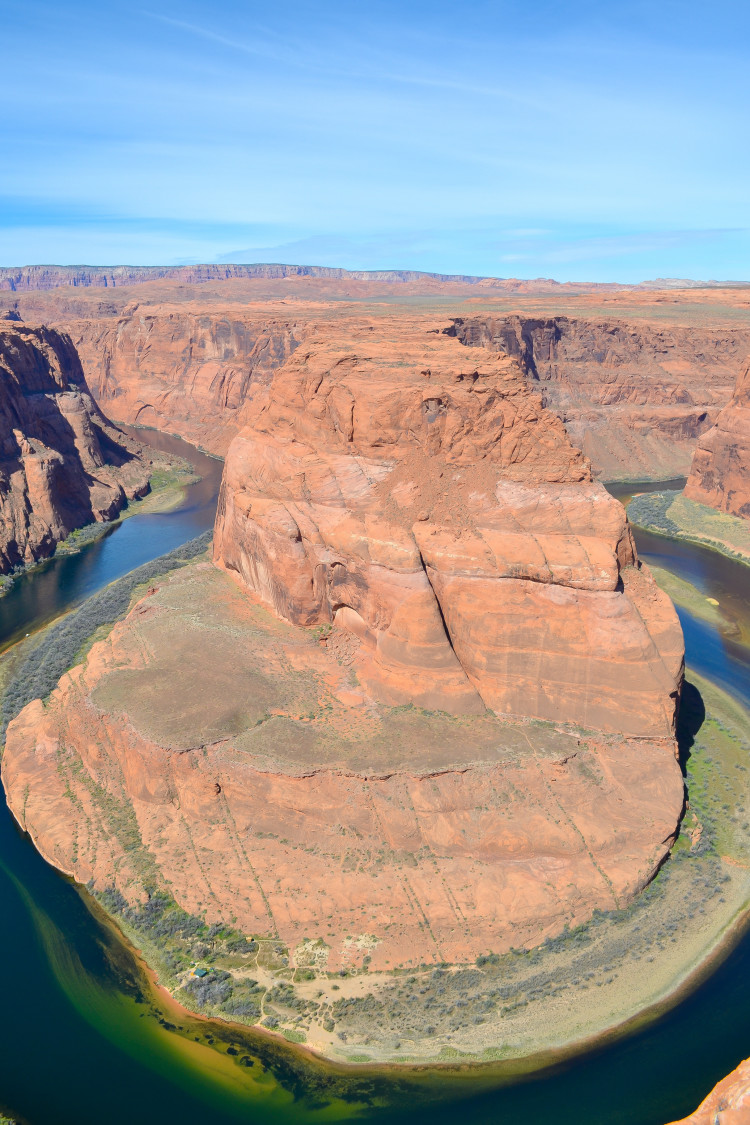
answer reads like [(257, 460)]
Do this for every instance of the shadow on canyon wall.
[(690, 720)]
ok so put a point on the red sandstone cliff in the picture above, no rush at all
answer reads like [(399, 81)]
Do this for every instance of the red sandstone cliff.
[(634, 397), (634, 394), (382, 783), (414, 493), (62, 464), (720, 473)]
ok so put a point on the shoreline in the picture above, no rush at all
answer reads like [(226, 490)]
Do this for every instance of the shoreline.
[(167, 498), (511, 1068), (531, 1053), (650, 511)]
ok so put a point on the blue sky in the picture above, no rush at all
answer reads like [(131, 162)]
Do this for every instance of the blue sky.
[(577, 140)]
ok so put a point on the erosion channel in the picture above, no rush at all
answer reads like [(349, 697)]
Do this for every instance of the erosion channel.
[(114, 1046)]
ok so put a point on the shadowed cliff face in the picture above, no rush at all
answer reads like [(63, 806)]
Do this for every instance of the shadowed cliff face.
[(634, 397), (415, 495), (720, 473), (62, 464)]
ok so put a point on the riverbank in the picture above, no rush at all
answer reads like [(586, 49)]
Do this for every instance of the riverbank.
[(167, 489), (671, 515), (689, 597)]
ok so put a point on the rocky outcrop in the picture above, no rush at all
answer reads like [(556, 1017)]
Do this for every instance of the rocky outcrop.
[(727, 1104), (62, 464), (634, 389), (208, 749), (431, 715), (720, 472), (634, 397), (415, 494)]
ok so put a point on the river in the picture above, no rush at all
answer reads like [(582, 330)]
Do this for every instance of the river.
[(83, 1039)]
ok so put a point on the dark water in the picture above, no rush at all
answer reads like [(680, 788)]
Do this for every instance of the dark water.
[(81, 1039)]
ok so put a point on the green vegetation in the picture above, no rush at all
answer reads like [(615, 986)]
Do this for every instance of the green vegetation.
[(453, 1009), (671, 513), (165, 491)]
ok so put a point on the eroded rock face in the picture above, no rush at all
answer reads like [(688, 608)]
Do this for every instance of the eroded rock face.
[(727, 1104), (185, 352), (189, 373), (431, 716), (720, 473), (62, 464), (634, 397), (207, 748), (415, 494)]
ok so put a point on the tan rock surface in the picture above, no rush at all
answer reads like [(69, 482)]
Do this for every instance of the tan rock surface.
[(62, 463), (210, 749), (414, 493), (727, 1104), (720, 473)]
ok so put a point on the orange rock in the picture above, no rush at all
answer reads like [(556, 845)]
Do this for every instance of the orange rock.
[(210, 749), (720, 473), (414, 492)]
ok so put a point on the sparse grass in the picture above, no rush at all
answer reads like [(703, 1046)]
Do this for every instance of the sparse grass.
[(672, 514)]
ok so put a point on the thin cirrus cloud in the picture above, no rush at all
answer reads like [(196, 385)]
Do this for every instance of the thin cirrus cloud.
[(584, 140)]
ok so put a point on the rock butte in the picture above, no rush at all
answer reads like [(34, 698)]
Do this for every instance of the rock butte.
[(453, 732), (63, 464), (720, 473)]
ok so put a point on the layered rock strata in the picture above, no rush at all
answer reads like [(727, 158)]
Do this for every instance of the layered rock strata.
[(414, 493), (720, 472), (62, 464), (635, 392), (210, 750), (431, 713), (634, 397)]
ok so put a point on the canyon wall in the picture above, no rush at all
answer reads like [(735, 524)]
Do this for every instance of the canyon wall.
[(62, 464), (184, 371), (720, 472), (635, 397), (634, 392)]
